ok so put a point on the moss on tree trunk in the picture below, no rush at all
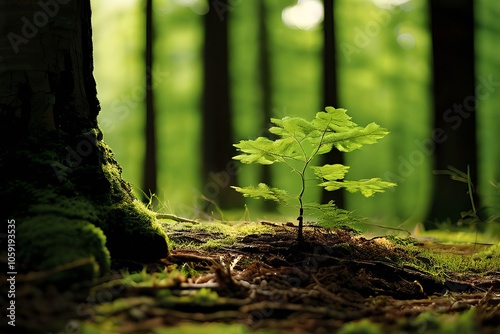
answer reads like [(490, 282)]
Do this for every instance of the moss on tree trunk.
[(60, 181)]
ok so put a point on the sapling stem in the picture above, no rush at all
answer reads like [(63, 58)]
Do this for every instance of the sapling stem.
[(300, 218), (307, 160)]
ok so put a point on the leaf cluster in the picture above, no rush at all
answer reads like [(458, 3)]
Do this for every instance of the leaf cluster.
[(299, 140)]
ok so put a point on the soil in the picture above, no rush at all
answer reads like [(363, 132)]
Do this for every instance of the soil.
[(267, 281)]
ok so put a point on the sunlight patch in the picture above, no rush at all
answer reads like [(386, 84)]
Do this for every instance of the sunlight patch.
[(389, 4), (305, 15), (407, 41), (200, 7)]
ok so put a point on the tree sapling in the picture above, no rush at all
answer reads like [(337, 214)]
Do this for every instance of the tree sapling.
[(298, 142)]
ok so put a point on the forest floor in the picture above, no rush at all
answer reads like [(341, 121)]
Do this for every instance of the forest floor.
[(254, 278)]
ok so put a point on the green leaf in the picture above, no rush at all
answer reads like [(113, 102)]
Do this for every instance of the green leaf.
[(335, 128), (354, 138), (367, 187), (294, 127), (331, 172), (263, 191), (333, 119), (265, 151)]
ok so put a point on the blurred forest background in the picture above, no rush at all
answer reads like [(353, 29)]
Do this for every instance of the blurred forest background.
[(412, 66)]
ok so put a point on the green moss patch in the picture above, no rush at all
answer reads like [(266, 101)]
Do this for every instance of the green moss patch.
[(50, 241), (70, 202), (134, 233), (210, 235)]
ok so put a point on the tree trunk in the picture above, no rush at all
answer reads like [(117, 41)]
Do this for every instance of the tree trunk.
[(330, 96), (60, 182), (218, 169), (452, 24), (150, 161)]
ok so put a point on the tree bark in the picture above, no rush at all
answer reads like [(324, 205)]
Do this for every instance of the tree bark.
[(150, 161), (452, 25), (218, 168), (60, 181)]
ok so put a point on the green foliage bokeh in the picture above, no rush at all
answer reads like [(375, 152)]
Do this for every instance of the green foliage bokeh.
[(384, 75)]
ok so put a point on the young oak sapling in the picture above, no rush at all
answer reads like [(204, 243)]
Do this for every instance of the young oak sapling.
[(298, 142)]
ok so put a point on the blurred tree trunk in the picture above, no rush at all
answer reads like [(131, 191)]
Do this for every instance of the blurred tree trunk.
[(265, 82), (330, 97), (57, 173), (218, 168), (452, 25), (150, 163)]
